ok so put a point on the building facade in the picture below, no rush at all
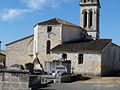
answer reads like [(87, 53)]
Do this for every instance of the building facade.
[(53, 32), (55, 39), (2, 60), (89, 57)]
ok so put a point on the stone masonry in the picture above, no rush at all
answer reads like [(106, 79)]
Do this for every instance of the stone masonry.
[(14, 80), (20, 51)]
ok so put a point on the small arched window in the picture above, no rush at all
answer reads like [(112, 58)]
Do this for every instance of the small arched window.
[(85, 19), (48, 47), (90, 19), (84, 1)]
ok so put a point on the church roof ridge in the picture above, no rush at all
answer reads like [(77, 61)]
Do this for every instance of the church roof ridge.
[(56, 21), (64, 22)]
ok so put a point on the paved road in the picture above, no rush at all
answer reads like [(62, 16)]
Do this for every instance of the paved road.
[(102, 83), (71, 86)]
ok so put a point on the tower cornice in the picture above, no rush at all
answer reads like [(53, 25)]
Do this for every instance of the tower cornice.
[(90, 3), (87, 4)]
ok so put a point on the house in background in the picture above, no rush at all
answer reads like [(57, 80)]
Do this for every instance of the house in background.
[(20, 51), (55, 39), (2, 60)]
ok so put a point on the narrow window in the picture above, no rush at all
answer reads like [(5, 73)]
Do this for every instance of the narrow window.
[(85, 19), (84, 1), (64, 56), (48, 47), (80, 59), (49, 29), (90, 18)]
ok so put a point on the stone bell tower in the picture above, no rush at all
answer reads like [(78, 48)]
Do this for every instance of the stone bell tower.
[(89, 16)]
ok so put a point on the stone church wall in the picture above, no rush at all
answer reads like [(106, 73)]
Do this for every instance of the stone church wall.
[(93, 34), (58, 35), (14, 80), (70, 33), (107, 61), (20, 52), (91, 64), (40, 41), (116, 57)]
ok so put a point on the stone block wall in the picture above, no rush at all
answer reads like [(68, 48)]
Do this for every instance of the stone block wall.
[(91, 65), (41, 36), (71, 33), (14, 80), (20, 51)]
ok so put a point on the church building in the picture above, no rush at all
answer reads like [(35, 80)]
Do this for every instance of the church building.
[(57, 39)]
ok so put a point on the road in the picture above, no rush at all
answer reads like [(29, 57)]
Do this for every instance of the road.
[(71, 86), (104, 83)]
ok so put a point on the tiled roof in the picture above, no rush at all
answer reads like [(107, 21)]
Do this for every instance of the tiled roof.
[(82, 47), (20, 39), (115, 45), (56, 21)]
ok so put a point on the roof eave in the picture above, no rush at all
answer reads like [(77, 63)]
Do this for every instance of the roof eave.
[(107, 44), (19, 40), (81, 52)]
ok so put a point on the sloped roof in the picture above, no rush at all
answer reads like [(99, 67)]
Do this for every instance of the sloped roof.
[(82, 47), (113, 44), (56, 21), (20, 39), (2, 54)]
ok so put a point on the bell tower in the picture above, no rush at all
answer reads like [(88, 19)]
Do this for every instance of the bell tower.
[(89, 17)]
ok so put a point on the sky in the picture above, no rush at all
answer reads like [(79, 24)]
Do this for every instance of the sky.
[(17, 17)]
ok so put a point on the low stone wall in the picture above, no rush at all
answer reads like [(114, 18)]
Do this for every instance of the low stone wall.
[(57, 79), (14, 80)]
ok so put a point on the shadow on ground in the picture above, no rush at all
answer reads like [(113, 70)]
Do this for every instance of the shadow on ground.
[(73, 79), (43, 86), (78, 78)]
